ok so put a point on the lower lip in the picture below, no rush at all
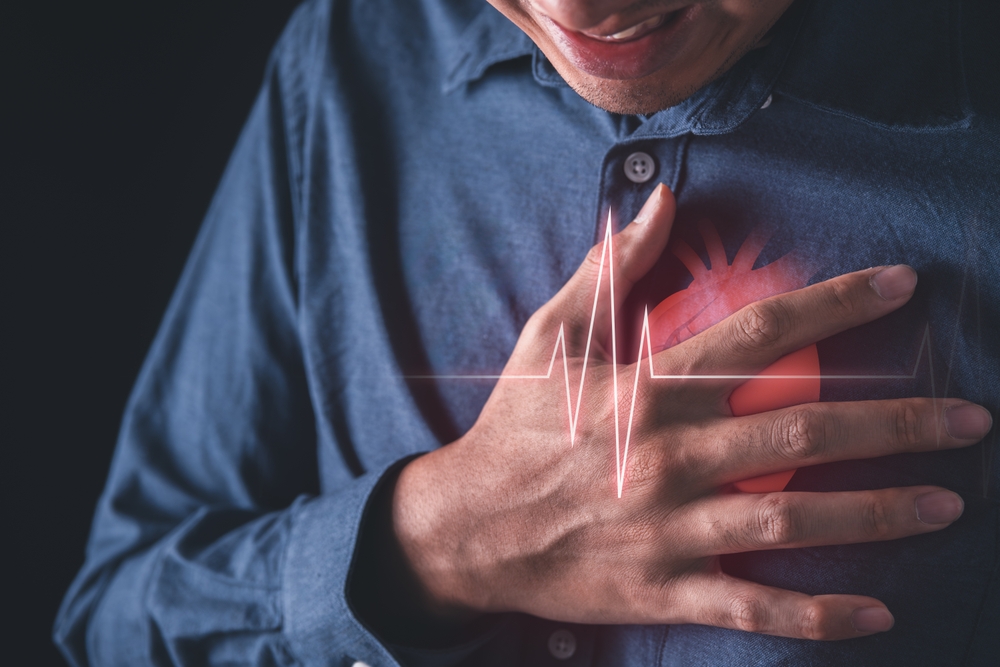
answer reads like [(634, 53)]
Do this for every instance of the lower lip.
[(632, 59)]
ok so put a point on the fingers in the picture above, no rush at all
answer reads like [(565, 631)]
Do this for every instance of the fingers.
[(625, 258), (736, 523), (759, 334), (727, 602), (822, 432)]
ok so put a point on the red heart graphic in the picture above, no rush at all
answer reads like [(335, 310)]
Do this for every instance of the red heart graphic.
[(716, 293)]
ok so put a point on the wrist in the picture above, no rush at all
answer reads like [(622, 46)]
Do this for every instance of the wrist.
[(388, 590), (426, 523)]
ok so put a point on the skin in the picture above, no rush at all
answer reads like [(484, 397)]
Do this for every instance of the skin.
[(510, 518), (721, 34)]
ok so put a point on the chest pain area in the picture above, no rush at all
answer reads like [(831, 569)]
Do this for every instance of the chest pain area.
[(717, 290)]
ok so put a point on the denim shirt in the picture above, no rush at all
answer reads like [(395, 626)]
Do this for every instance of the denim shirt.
[(415, 180)]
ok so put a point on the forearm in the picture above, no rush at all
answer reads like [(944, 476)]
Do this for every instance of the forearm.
[(226, 586), (209, 587)]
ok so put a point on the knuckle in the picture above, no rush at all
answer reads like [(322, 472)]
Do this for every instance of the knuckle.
[(815, 622), (749, 612), (536, 324), (841, 298), (876, 519), (594, 257), (542, 323), (800, 434), (777, 521), (760, 324), (906, 425)]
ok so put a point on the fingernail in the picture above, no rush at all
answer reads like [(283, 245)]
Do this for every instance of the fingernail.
[(872, 619), (939, 507), (650, 206), (967, 422), (894, 282)]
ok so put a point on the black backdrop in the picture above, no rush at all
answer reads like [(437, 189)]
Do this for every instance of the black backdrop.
[(116, 120)]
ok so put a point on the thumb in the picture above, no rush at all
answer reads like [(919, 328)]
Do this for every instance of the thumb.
[(585, 302)]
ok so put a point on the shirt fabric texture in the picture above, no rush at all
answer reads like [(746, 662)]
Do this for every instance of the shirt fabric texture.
[(413, 182)]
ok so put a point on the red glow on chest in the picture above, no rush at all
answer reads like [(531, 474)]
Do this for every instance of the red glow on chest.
[(716, 293)]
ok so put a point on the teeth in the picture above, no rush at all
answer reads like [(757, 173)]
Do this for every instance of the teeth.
[(634, 30)]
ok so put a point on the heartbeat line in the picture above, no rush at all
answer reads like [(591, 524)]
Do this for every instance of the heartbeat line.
[(645, 345)]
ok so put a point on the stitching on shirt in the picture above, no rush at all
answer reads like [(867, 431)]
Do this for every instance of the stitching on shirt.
[(479, 28), (961, 124), (767, 87), (663, 645), (680, 160)]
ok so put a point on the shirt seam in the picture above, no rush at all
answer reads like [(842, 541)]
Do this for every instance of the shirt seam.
[(960, 124)]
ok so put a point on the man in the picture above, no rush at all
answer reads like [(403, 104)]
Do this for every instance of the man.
[(410, 210)]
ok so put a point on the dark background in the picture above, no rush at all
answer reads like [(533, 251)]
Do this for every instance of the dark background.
[(116, 120)]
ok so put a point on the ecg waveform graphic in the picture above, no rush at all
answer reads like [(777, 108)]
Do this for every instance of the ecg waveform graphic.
[(622, 444)]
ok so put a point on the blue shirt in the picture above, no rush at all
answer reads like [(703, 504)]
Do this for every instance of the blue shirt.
[(414, 180)]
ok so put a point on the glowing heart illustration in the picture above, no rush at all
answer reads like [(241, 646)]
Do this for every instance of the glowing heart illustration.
[(716, 293)]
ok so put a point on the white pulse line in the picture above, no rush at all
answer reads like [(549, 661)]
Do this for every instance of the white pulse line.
[(645, 343)]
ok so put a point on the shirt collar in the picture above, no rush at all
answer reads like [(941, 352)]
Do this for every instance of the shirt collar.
[(890, 63), (491, 38)]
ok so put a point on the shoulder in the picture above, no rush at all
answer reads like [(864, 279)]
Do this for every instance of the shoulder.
[(343, 33), (899, 64)]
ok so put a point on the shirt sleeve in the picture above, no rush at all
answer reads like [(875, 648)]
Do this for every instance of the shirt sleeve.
[(211, 543)]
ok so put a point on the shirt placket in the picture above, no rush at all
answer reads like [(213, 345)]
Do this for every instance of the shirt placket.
[(630, 172), (553, 644)]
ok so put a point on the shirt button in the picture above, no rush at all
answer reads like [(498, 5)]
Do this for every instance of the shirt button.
[(358, 663), (562, 644), (639, 167), (767, 102)]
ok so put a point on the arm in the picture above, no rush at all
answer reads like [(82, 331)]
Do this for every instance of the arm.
[(199, 556), (211, 542)]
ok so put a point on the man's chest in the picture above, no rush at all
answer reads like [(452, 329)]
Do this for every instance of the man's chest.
[(456, 248)]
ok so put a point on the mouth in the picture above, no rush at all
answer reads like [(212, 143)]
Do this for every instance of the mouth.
[(630, 52), (636, 31)]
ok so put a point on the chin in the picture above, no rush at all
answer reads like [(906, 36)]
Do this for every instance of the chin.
[(664, 88), (630, 97)]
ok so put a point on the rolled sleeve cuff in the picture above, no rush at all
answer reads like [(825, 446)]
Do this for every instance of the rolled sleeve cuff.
[(318, 622), (320, 625)]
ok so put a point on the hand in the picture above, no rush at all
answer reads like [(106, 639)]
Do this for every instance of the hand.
[(512, 518)]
